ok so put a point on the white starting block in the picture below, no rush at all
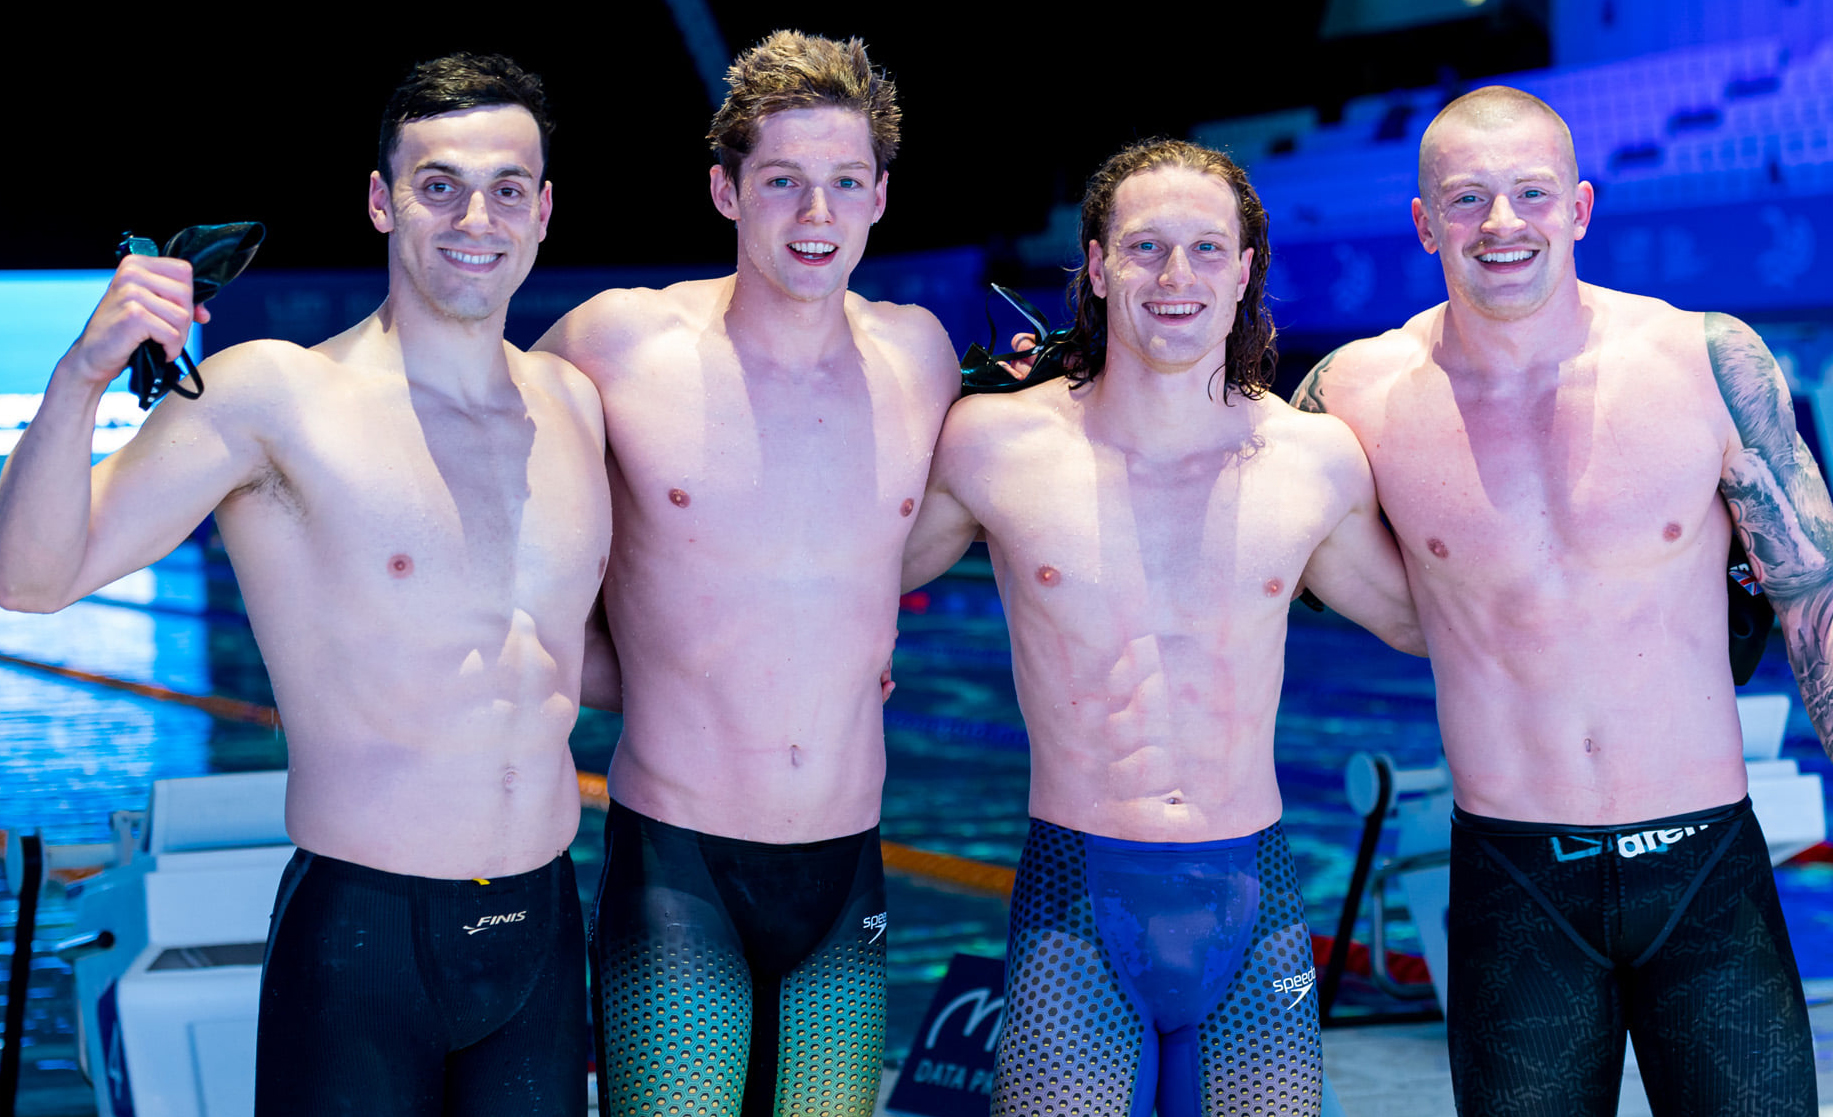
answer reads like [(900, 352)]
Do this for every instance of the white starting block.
[(169, 948), (1788, 804)]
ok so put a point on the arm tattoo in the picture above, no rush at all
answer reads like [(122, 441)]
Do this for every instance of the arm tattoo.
[(1780, 505), (1310, 393)]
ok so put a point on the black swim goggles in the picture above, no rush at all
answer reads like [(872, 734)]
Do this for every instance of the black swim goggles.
[(980, 366), (217, 254)]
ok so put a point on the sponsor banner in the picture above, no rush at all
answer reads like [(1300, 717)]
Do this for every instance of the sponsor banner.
[(949, 1072)]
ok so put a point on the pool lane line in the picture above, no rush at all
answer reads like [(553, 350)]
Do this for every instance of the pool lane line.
[(228, 709), (207, 614), (978, 875)]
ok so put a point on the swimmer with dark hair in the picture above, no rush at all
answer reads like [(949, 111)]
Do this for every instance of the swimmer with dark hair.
[(770, 434), (1151, 515), (1564, 467), (422, 612)]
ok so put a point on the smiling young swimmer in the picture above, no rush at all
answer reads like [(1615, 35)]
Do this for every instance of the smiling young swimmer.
[(1563, 466), (1150, 519), (417, 517), (770, 434)]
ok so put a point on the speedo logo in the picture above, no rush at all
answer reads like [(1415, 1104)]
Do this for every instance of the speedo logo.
[(490, 921), (876, 925), (1576, 847), (1297, 983)]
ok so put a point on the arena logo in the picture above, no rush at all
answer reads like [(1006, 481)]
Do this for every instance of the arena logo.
[(1653, 841)]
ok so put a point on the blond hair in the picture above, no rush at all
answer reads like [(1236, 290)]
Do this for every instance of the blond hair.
[(791, 70)]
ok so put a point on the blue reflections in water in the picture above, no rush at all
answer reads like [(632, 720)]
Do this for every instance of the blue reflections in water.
[(74, 752)]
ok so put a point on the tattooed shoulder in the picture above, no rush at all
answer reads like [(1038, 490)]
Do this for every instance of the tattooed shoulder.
[(1310, 393), (1751, 385)]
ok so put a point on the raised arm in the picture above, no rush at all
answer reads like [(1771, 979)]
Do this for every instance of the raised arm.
[(66, 530), (1357, 569), (1780, 506)]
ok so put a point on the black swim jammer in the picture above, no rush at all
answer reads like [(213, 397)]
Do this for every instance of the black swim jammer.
[(1563, 938), (417, 997), (737, 977)]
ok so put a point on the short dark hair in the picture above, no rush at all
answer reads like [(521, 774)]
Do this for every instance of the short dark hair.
[(791, 70), (1252, 357), (452, 84)]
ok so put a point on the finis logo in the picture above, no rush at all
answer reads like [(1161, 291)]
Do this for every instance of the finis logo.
[(1297, 983), (490, 921), (875, 924)]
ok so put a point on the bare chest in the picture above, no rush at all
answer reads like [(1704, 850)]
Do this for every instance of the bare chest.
[(764, 466), (1597, 475), (1094, 540), (414, 503)]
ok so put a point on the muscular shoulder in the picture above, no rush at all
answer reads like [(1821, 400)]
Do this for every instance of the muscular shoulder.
[(914, 333), (1649, 323), (257, 376), (1356, 374), (562, 381), (1319, 439), (1750, 385), (983, 430), (254, 395), (603, 335)]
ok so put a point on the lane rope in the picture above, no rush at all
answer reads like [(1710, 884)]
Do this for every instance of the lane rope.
[(965, 872)]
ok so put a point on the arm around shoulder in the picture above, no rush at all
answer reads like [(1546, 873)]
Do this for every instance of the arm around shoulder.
[(1357, 569), (593, 334), (602, 683), (920, 332), (1780, 505), (944, 525)]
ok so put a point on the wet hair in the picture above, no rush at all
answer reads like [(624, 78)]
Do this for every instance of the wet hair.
[(1494, 106), (790, 70), (455, 83), (1251, 355)]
